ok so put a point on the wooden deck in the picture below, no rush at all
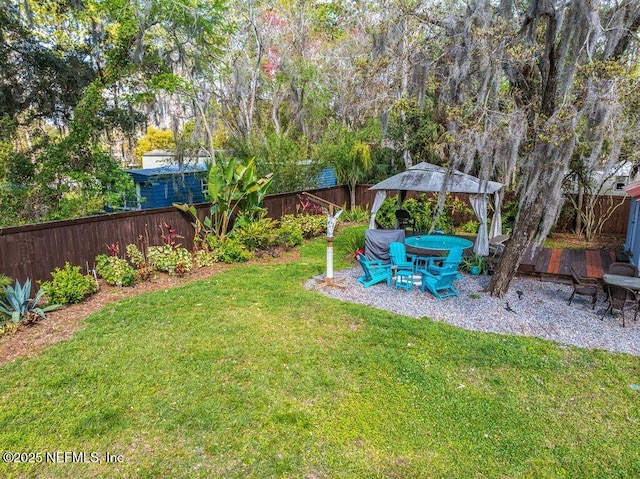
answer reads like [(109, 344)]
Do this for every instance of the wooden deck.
[(557, 262)]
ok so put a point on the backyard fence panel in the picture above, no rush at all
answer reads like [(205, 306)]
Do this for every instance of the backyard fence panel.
[(616, 224), (34, 251)]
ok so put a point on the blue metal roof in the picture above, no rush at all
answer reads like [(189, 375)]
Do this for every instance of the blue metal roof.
[(169, 170)]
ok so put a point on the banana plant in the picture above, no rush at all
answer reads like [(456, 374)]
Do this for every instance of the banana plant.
[(234, 189)]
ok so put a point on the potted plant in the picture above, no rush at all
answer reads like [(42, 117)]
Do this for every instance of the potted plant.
[(475, 264)]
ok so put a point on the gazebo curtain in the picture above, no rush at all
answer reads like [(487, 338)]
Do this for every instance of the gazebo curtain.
[(479, 205), (496, 221), (377, 203)]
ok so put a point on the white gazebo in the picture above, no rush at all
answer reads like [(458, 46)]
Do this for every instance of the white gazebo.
[(432, 178)]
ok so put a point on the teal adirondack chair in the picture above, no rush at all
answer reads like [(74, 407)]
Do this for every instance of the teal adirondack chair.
[(374, 272), (441, 285), (449, 263), (399, 257)]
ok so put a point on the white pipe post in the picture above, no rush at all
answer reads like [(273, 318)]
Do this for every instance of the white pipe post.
[(329, 277)]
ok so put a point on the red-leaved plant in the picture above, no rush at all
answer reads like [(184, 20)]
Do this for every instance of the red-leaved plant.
[(113, 249), (169, 235)]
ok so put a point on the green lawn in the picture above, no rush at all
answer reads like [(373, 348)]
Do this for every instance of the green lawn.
[(247, 374)]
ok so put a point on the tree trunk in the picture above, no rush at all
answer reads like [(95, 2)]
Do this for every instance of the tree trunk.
[(524, 230), (352, 196)]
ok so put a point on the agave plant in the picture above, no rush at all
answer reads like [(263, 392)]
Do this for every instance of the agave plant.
[(19, 305)]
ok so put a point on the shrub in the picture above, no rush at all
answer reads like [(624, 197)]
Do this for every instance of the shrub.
[(115, 271), (171, 260), (422, 209), (204, 258), (355, 240), (256, 235), (135, 255), (69, 285), (289, 235), (144, 271), (4, 281), (470, 226), (310, 225), (228, 250), (357, 214)]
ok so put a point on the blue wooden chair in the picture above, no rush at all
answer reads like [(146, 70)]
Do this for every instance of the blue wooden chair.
[(400, 259), (442, 264), (374, 272), (441, 285)]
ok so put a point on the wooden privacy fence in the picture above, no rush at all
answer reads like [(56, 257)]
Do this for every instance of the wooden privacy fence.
[(34, 251), (617, 207)]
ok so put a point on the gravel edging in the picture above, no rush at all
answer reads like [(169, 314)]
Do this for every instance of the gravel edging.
[(542, 312)]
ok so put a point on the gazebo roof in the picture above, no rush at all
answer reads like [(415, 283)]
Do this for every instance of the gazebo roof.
[(427, 177)]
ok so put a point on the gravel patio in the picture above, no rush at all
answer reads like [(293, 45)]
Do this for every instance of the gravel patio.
[(531, 308)]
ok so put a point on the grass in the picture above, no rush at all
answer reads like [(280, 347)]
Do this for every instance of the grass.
[(249, 375)]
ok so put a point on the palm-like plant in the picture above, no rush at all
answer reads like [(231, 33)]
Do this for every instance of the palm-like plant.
[(234, 190)]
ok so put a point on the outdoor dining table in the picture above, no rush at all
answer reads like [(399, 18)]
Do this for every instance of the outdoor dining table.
[(437, 242), (630, 282)]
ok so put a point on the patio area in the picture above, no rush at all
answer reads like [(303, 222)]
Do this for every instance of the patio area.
[(532, 307)]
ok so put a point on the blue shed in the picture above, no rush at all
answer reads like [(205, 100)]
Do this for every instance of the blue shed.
[(326, 178), (162, 186)]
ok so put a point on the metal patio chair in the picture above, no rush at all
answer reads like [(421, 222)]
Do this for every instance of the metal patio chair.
[(623, 269), (622, 299), (584, 287)]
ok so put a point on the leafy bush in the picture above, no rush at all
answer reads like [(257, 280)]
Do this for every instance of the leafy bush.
[(171, 260), (144, 271), (204, 258), (135, 255), (69, 285), (115, 271), (289, 235), (355, 240), (310, 225), (228, 250), (256, 235), (19, 306), (357, 214), (422, 210), (470, 226)]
